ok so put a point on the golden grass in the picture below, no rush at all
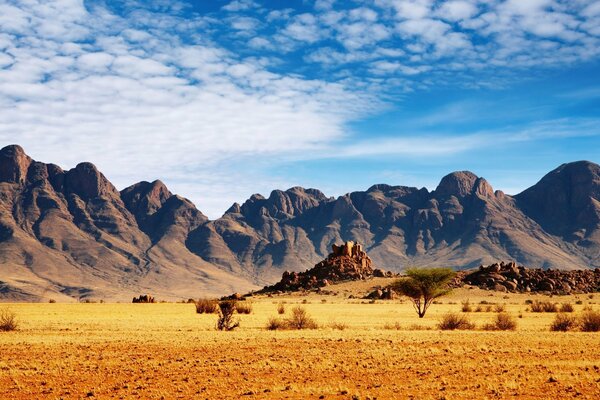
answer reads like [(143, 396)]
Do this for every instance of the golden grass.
[(155, 351)]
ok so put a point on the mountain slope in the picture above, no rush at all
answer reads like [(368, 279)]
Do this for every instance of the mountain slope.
[(71, 234)]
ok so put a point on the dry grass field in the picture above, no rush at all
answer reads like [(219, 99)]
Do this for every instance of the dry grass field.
[(384, 351)]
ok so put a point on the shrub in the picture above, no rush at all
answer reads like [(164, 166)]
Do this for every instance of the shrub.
[(275, 324), (281, 309), (499, 308), (590, 321), (8, 321), (543, 306), (566, 307), (488, 308), (243, 307), (340, 326), (466, 306), (300, 319), (452, 321), (225, 321), (579, 302), (52, 301), (395, 326), (206, 306), (478, 309), (502, 322), (563, 323)]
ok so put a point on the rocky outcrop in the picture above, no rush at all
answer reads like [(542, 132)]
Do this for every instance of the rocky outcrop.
[(346, 262), (510, 277)]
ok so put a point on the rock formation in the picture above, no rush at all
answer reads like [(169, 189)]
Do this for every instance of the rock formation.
[(510, 277), (346, 262)]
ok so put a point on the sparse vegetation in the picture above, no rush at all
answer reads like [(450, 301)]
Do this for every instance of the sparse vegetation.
[(300, 319), (543, 306), (590, 321), (567, 308), (207, 306), (225, 321), (452, 321), (338, 326), (281, 308), (243, 307), (395, 326), (8, 320), (275, 323), (563, 323), (424, 285), (466, 306), (502, 322), (499, 308)]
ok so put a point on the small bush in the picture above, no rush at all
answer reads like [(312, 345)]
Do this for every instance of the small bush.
[(543, 306), (590, 321), (281, 309), (339, 326), (499, 308), (579, 302), (395, 326), (478, 309), (52, 301), (503, 322), (452, 321), (567, 307), (563, 323), (466, 306), (528, 301), (300, 319), (488, 308), (206, 306), (275, 324), (8, 321), (225, 321), (243, 307)]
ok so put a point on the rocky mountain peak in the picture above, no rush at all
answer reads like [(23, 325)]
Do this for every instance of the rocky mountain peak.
[(87, 182), (463, 183), (145, 198), (14, 164)]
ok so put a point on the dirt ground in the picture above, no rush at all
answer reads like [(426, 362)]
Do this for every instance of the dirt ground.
[(167, 351)]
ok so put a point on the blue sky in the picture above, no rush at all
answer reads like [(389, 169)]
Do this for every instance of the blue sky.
[(222, 99)]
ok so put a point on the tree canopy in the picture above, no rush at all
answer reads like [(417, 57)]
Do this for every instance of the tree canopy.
[(423, 285)]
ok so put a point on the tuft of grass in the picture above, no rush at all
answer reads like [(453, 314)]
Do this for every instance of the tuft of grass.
[(590, 321), (499, 308), (8, 321), (207, 306), (566, 308), (563, 323), (543, 306), (478, 309), (502, 322), (243, 307), (280, 309), (452, 321), (338, 326), (274, 324), (300, 319), (395, 326), (466, 306)]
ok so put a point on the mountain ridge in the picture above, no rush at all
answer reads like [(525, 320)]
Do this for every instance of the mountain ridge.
[(71, 234)]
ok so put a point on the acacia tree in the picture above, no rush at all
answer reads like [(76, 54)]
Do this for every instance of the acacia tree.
[(423, 285)]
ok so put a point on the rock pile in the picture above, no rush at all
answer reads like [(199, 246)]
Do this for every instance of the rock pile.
[(346, 262), (510, 277), (144, 298)]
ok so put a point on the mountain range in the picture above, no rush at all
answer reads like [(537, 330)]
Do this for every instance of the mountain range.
[(71, 235)]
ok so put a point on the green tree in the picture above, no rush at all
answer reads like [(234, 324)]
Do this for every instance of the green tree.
[(423, 285)]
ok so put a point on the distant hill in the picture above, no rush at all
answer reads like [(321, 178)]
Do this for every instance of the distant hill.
[(71, 234)]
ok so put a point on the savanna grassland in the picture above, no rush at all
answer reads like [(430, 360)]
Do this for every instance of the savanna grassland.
[(361, 350)]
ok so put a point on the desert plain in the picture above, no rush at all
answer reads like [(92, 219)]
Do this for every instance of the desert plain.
[(361, 350)]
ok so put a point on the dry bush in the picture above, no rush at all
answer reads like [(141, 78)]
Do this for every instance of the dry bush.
[(243, 307), (206, 306), (274, 324), (488, 308), (452, 321), (225, 321), (563, 323), (567, 307), (499, 308), (590, 321), (502, 322), (8, 320), (543, 306), (281, 309), (466, 306), (478, 309), (339, 326), (300, 319), (395, 326), (52, 301)]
